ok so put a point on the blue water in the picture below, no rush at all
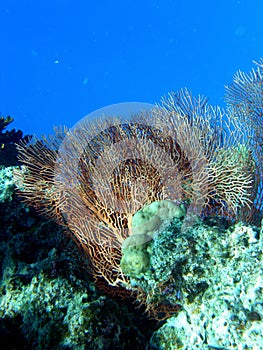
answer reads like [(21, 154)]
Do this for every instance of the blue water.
[(61, 59)]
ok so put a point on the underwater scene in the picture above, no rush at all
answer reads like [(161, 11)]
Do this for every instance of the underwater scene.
[(140, 224)]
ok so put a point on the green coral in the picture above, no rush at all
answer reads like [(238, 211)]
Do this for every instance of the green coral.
[(150, 217), (146, 224), (135, 261)]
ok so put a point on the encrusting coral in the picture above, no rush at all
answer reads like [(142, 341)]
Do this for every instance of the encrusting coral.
[(94, 178)]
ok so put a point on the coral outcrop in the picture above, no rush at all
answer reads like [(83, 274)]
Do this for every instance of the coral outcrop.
[(212, 273), (165, 206), (47, 300), (8, 141)]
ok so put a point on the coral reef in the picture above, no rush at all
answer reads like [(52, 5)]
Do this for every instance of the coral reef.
[(47, 300), (95, 178), (212, 273), (218, 278), (7, 185), (8, 140), (166, 208)]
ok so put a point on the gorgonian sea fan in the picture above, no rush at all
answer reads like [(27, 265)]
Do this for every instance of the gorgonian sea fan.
[(96, 176), (245, 101)]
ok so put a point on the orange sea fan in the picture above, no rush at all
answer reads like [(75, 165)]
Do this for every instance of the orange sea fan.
[(102, 172)]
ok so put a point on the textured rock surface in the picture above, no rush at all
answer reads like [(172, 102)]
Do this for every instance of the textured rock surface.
[(227, 313), (47, 299)]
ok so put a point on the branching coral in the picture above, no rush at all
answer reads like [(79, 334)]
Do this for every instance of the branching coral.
[(245, 101), (101, 173), (8, 139)]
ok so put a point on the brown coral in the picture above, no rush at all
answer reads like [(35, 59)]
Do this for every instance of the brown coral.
[(102, 172)]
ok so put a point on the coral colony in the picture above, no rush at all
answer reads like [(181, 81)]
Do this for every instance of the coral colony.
[(156, 201)]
